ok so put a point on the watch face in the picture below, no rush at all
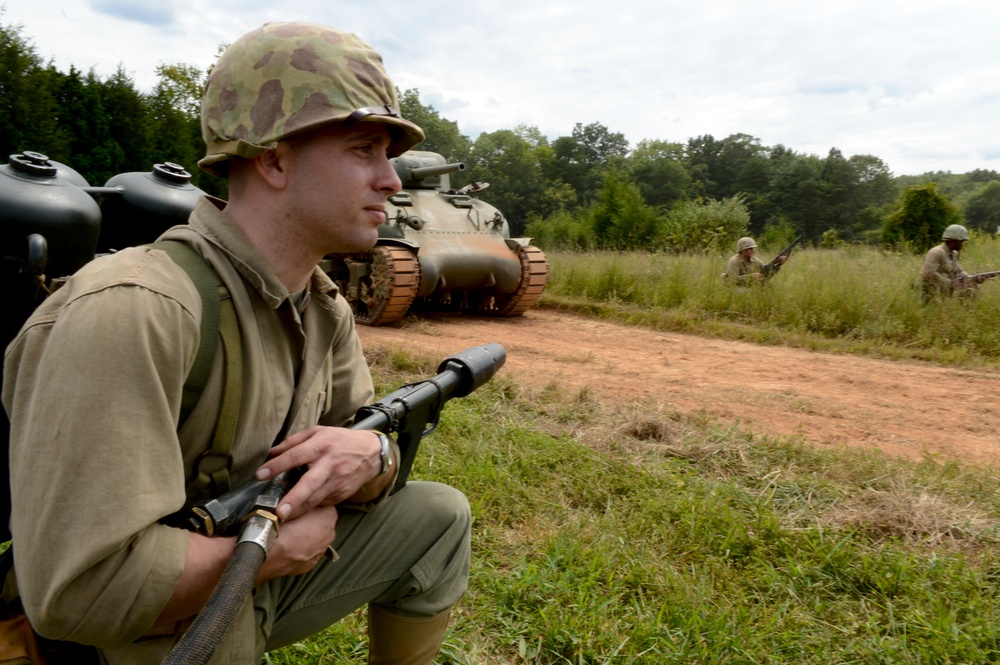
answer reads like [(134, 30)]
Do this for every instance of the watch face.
[(385, 453)]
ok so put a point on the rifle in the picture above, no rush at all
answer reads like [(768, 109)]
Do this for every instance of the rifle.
[(411, 412), (978, 278), (770, 268)]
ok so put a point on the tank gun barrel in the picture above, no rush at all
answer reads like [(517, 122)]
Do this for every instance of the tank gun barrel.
[(421, 172)]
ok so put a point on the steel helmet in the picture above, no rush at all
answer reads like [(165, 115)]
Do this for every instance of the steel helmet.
[(745, 243), (285, 78), (955, 232)]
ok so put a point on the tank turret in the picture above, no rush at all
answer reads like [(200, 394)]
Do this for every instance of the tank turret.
[(419, 169), (439, 247)]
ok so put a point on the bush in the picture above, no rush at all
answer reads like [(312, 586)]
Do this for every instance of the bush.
[(920, 217), (704, 225), (562, 230)]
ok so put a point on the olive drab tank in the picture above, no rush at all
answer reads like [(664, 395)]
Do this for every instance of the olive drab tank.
[(439, 248)]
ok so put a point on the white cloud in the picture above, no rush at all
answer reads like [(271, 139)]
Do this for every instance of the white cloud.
[(909, 81)]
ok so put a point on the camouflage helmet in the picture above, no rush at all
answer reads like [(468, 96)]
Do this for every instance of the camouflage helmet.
[(955, 232), (744, 243), (285, 78)]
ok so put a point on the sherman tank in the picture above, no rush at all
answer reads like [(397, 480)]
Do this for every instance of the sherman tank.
[(439, 248)]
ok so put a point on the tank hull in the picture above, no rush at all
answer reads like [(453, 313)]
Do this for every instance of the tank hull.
[(465, 258)]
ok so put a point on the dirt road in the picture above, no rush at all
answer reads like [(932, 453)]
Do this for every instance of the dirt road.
[(903, 408)]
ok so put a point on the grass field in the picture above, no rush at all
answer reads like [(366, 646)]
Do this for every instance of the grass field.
[(607, 534), (853, 299)]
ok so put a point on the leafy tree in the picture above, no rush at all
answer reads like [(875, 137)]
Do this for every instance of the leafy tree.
[(83, 116), (128, 125), (982, 175), (580, 160), (799, 193), (983, 209), (621, 219), (658, 170), (510, 165), (182, 87), (28, 119), (174, 108), (557, 197), (875, 192), (837, 175), (753, 184), (921, 215), (715, 166), (443, 136)]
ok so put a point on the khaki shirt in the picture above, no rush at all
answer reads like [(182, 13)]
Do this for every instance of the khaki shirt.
[(940, 267), (738, 271), (93, 387)]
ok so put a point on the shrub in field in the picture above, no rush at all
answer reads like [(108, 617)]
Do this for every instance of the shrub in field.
[(921, 215), (704, 225), (621, 218), (562, 230), (777, 234)]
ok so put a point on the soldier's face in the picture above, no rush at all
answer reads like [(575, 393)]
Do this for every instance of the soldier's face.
[(339, 179), (747, 253)]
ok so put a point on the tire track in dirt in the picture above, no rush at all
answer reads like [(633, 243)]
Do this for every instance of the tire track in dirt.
[(905, 408)]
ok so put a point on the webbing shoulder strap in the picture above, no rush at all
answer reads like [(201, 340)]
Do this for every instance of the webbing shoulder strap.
[(218, 320)]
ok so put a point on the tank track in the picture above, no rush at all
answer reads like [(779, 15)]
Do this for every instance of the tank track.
[(379, 285), (534, 276)]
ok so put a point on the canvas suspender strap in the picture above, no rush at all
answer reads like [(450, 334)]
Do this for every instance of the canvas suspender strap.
[(218, 320)]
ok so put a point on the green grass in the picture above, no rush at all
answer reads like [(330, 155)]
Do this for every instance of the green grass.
[(615, 534), (849, 300)]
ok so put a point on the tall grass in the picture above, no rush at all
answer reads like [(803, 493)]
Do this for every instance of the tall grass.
[(608, 535), (852, 299)]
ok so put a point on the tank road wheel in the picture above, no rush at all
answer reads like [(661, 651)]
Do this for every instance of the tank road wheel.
[(381, 285), (534, 275)]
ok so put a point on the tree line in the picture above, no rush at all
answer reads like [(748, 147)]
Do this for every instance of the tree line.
[(588, 189), (99, 127)]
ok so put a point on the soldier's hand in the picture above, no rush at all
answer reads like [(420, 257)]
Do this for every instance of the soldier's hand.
[(339, 462)]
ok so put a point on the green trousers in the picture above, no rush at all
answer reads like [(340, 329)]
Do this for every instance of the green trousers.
[(410, 555)]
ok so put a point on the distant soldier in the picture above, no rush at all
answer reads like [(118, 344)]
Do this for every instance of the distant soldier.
[(942, 274), (745, 269)]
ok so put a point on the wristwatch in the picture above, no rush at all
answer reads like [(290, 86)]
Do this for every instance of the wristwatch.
[(386, 453)]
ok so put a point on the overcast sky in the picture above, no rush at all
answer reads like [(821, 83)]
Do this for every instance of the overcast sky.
[(913, 82)]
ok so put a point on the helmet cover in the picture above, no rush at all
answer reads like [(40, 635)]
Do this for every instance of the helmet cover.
[(285, 78), (955, 232)]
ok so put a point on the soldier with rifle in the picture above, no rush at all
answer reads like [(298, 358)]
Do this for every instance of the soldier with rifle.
[(302, 119), (745, 269), (942, 274)]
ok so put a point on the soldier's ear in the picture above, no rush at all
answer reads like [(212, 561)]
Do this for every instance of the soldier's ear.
[(272, 165)]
